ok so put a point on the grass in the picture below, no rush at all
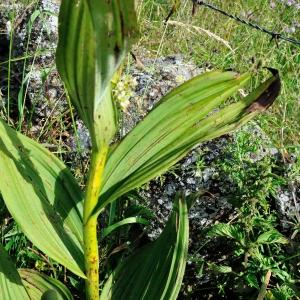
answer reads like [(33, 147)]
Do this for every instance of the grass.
[(249, 46)]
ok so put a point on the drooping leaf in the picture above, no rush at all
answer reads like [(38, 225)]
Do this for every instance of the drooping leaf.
[(183, 118), (156, 270), (11, 286), (43, 287), (94, 37), (43, 198)]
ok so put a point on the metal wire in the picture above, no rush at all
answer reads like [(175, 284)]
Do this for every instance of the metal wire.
[(274, 35)]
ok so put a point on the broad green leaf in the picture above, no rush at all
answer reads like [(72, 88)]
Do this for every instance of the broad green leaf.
[(188, 115), (94, 37), (156, 270), (43, 198), (271, 237), (43, 287), (229, 231), (131, 220), (11, 286)]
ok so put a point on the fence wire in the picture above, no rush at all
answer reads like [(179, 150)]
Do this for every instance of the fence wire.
[(274, 35)]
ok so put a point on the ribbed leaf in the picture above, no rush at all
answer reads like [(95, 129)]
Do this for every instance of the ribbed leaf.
[(11, 286), (43, 197), (94, 36), (182, 119), (42, 287), (156, 270)]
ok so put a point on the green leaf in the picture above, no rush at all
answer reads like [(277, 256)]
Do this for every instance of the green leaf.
[(42, 287), (139, 210), (228, 230), (182, 119), (131, 220), (11, 286), (156, 270), (252, 280), (94, 37), (43, 198), (271, 237)]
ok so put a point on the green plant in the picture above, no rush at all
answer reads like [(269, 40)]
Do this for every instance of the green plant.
[(46, 201), (254, 249), (258, 249), (248, 171), (258, 255)]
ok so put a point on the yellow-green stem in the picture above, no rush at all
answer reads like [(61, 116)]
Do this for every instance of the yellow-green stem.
[(90, 223)]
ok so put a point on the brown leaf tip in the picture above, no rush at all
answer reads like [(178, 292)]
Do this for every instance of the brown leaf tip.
[(267, 98)]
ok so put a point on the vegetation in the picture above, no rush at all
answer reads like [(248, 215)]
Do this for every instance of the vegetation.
[(59, 221), (255, 247)]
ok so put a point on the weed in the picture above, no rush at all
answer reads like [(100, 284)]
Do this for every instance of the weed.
[(253, 238)]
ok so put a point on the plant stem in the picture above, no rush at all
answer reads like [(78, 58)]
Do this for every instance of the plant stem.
[(91, 252), (264, 286)]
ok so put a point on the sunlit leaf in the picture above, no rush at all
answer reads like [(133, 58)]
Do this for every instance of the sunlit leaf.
[(43, 198), (94, 37), (183, 118), (156, 270)]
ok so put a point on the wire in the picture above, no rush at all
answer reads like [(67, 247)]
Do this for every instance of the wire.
[(274, 35)]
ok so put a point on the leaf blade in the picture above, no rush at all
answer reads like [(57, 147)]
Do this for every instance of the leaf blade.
[(184, 118), (43, 197), (131, 220), (40, 286), (155, 271), (88, 60)]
